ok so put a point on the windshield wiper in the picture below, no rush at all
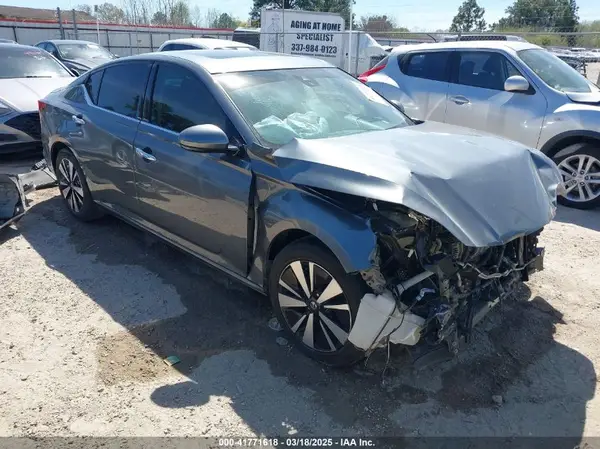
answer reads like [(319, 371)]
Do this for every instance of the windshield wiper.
[(37, 76)]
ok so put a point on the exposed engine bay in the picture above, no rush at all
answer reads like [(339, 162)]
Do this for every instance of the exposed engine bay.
[(428, 286)]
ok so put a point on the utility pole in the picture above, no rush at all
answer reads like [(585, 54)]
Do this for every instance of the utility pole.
[(75, 24), (60, 24), (97, 23)]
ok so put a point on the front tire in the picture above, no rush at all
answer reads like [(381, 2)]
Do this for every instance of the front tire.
[(73, 187), (316, 302), (579, 166)]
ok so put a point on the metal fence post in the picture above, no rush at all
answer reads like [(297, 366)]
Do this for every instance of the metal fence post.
[(75, 25), (107, 41), (60, 24), (151, 42), (15, 33), (357, 53), (130, 46)]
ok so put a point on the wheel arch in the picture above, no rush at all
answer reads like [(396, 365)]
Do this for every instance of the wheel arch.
[(55, 149), (568, 138), (294, 215)]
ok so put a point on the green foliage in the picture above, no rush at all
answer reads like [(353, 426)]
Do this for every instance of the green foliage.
[(224, 21), (180, 14), (469, 18)]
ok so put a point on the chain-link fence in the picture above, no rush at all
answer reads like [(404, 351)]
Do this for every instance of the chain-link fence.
[(122, 40)]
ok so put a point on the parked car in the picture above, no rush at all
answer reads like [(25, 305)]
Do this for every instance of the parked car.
[(26, 75), (572, 59), (299, 181), (204, 44), (513, 89), (78, 56), (483, 37)]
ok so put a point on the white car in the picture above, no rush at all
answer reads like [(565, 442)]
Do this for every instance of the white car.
[(27, 74), (513, 89), (204, 44)]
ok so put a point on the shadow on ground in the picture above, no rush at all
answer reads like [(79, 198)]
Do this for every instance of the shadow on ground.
[(224, 334), (585, 218)]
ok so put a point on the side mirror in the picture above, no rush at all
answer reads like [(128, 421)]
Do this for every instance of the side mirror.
[(516, 84), (204, 139)]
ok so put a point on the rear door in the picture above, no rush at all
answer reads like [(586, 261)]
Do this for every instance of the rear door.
[(103, 131), (425, 80), (477, 98), (199, 199)]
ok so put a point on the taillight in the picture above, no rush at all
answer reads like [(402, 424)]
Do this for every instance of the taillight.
[(376, 68), (41, 105)]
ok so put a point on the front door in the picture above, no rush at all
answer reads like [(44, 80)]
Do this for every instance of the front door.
[(477, 99), (201, 199)]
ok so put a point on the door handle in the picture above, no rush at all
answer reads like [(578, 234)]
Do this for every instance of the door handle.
[(78, 119), (459, 99), (145, 155)]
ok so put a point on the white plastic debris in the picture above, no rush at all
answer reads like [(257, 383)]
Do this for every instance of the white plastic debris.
[(378, 317)]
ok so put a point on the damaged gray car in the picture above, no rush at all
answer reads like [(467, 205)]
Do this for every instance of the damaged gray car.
[(286, 173)]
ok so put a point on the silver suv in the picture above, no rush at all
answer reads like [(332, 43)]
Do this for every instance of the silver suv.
[(513, 89)]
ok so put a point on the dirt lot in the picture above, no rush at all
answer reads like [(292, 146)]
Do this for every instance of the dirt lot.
[(593, 72), (89, 311)]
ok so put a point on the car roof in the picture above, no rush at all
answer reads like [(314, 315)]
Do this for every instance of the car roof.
[(14, 44), (207, 42), (223, 61), (67, 41), (484, 44)]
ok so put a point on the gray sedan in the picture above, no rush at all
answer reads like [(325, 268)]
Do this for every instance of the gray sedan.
[(293, 177)]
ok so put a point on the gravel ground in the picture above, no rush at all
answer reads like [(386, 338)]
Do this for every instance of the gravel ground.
[(593, 72), (89, 312)]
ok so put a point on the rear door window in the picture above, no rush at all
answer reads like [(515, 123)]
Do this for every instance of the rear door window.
[(123, 86), (431, 65), (92, 85)]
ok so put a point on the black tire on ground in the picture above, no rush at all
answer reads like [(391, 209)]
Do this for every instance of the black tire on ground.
[(86, 209), (582, 149), (353, 289)]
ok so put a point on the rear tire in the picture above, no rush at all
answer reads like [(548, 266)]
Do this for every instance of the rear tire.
[(316, 302), (73, 187), (579, 165)]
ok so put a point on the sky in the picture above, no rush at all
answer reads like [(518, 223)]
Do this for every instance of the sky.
[(418, 15)]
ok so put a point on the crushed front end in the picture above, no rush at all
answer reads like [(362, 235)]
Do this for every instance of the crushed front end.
[(428, 287)]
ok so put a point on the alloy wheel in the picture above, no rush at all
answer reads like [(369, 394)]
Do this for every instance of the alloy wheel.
[(70, 185), (581, 177), (314, 306)]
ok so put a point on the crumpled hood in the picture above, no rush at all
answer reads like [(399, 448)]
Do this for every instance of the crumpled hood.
[(485, 190), (585, 97)]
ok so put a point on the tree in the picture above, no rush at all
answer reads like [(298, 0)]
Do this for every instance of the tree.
[(160, 18), (180, 14), (224, 21), (542, 15), (377, 23), (109, 13), (469, 18), (84, 8)]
